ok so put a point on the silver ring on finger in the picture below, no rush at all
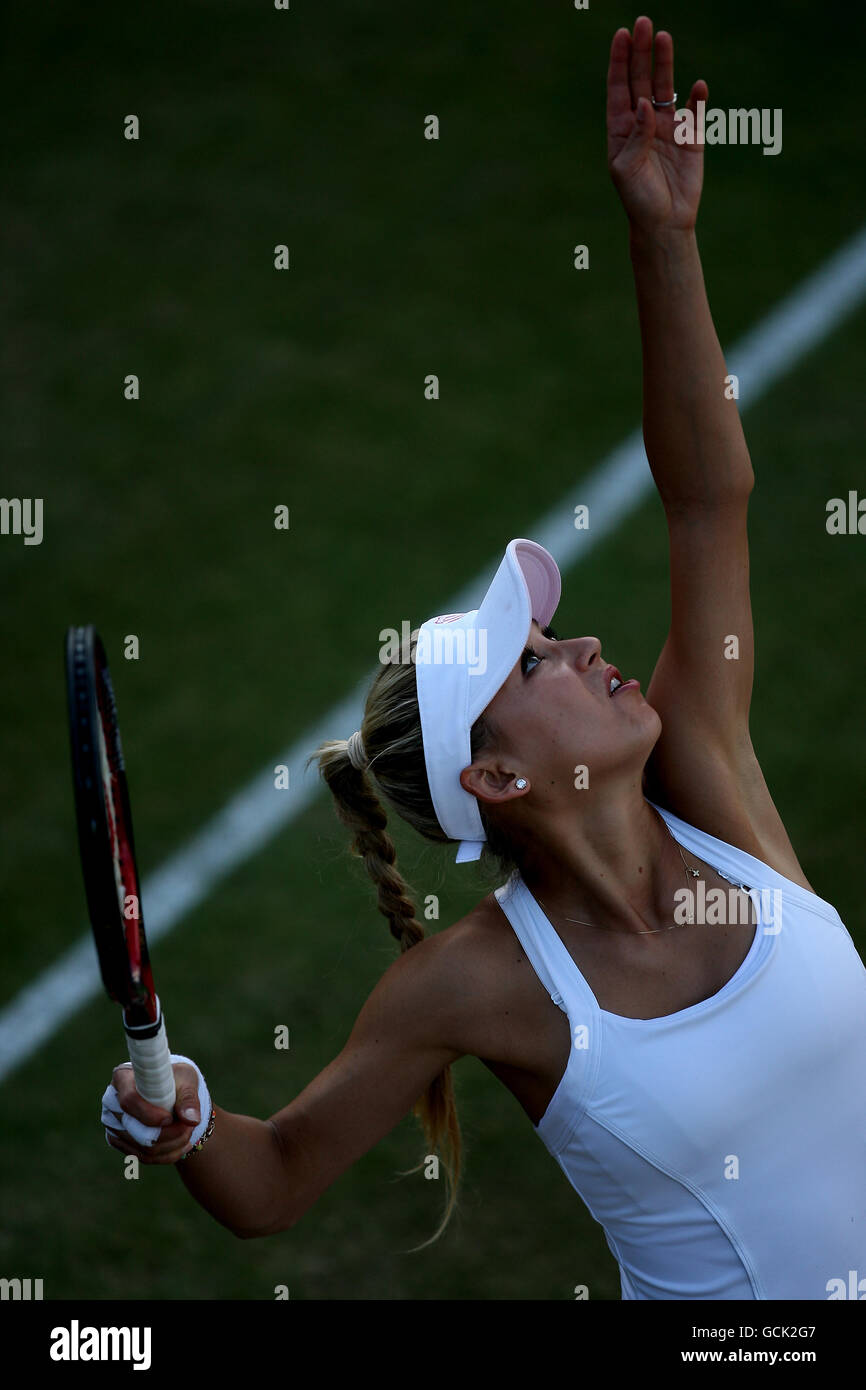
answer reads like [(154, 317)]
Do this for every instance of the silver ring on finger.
[(659, 104)]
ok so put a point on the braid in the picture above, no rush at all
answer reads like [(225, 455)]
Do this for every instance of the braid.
[(393, 754), (361, 812)]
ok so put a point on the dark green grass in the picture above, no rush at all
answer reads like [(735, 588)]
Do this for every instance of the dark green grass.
[(407, 257)]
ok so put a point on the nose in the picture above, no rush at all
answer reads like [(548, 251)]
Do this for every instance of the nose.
[(587, 651)]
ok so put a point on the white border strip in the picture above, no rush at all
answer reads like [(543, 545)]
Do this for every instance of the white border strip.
[(253, 817)]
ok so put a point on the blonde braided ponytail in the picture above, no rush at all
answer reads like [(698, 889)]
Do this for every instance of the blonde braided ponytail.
[(389, 748)]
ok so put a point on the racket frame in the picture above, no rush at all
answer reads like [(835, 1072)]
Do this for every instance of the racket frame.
[(107, 850)]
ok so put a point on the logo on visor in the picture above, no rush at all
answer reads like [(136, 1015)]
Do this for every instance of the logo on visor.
[(448, 618)]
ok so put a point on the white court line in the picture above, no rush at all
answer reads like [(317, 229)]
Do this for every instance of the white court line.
[(616, 487)]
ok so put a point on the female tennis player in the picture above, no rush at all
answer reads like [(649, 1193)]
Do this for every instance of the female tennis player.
[(680, 1015)]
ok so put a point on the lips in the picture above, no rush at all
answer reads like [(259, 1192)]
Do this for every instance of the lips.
[(613, 674)]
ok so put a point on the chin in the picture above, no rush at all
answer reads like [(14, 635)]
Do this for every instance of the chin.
[(654, 712), (654, 729)]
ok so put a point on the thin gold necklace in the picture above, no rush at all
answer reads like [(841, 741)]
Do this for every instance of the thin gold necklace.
[(653, 930)]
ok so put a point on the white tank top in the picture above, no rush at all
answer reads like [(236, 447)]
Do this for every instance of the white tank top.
[(721, 1148)]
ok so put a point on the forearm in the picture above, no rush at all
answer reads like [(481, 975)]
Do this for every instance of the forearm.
[(238, 1176), (694, 439)]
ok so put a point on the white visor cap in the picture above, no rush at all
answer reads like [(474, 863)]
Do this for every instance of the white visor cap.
[(461, 661)]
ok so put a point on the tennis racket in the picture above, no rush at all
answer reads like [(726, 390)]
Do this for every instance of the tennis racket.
[(108, 863)]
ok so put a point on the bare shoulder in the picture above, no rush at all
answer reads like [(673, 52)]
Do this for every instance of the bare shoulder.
[(479, 948), (492, 999), (456, 976)]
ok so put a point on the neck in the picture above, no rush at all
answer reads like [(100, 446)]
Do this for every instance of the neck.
[(615, 866)]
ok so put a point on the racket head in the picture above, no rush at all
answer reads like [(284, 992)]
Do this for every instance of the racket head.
[(105, 834)]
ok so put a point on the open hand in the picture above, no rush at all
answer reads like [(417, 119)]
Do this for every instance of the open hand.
[(658, 180)]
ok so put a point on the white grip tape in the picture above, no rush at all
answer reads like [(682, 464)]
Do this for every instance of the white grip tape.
[(151, 1062)]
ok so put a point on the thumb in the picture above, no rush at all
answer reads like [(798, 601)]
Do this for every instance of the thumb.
[(186, 1104)]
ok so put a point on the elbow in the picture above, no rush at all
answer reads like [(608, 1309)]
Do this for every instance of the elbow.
[(241, 1234), (273, 1213), (739, 486), (275, 1228)]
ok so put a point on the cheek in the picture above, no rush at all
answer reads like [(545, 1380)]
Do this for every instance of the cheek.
[(583, 727)]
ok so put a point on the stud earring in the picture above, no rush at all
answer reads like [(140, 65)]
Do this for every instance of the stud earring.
[(520, 783)]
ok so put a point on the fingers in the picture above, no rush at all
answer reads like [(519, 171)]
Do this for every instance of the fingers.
[(640, 64), (163, 1151), (150, 1132), (186, 1085), (618, 91), (631, 73), (663, 77), (123, 1080), (700, 92)]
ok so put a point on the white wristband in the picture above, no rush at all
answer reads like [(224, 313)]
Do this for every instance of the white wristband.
[(117, 1120)]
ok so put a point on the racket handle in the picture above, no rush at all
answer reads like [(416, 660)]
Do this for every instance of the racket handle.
[(151, 1062)]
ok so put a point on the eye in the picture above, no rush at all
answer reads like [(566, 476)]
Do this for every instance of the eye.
[(530, 655)]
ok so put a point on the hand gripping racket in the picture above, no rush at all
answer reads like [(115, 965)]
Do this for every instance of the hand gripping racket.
[(108, 863)]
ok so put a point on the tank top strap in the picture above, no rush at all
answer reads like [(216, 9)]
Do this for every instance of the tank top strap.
[(731, 863), (545, 951), (770, 891)]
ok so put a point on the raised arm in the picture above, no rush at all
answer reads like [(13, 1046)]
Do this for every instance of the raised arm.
[(694, 439), (704, 765)]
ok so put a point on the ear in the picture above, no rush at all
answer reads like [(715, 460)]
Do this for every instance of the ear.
[(491, 783)]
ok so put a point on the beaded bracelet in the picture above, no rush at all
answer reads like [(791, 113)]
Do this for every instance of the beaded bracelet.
[(207, 1134)]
